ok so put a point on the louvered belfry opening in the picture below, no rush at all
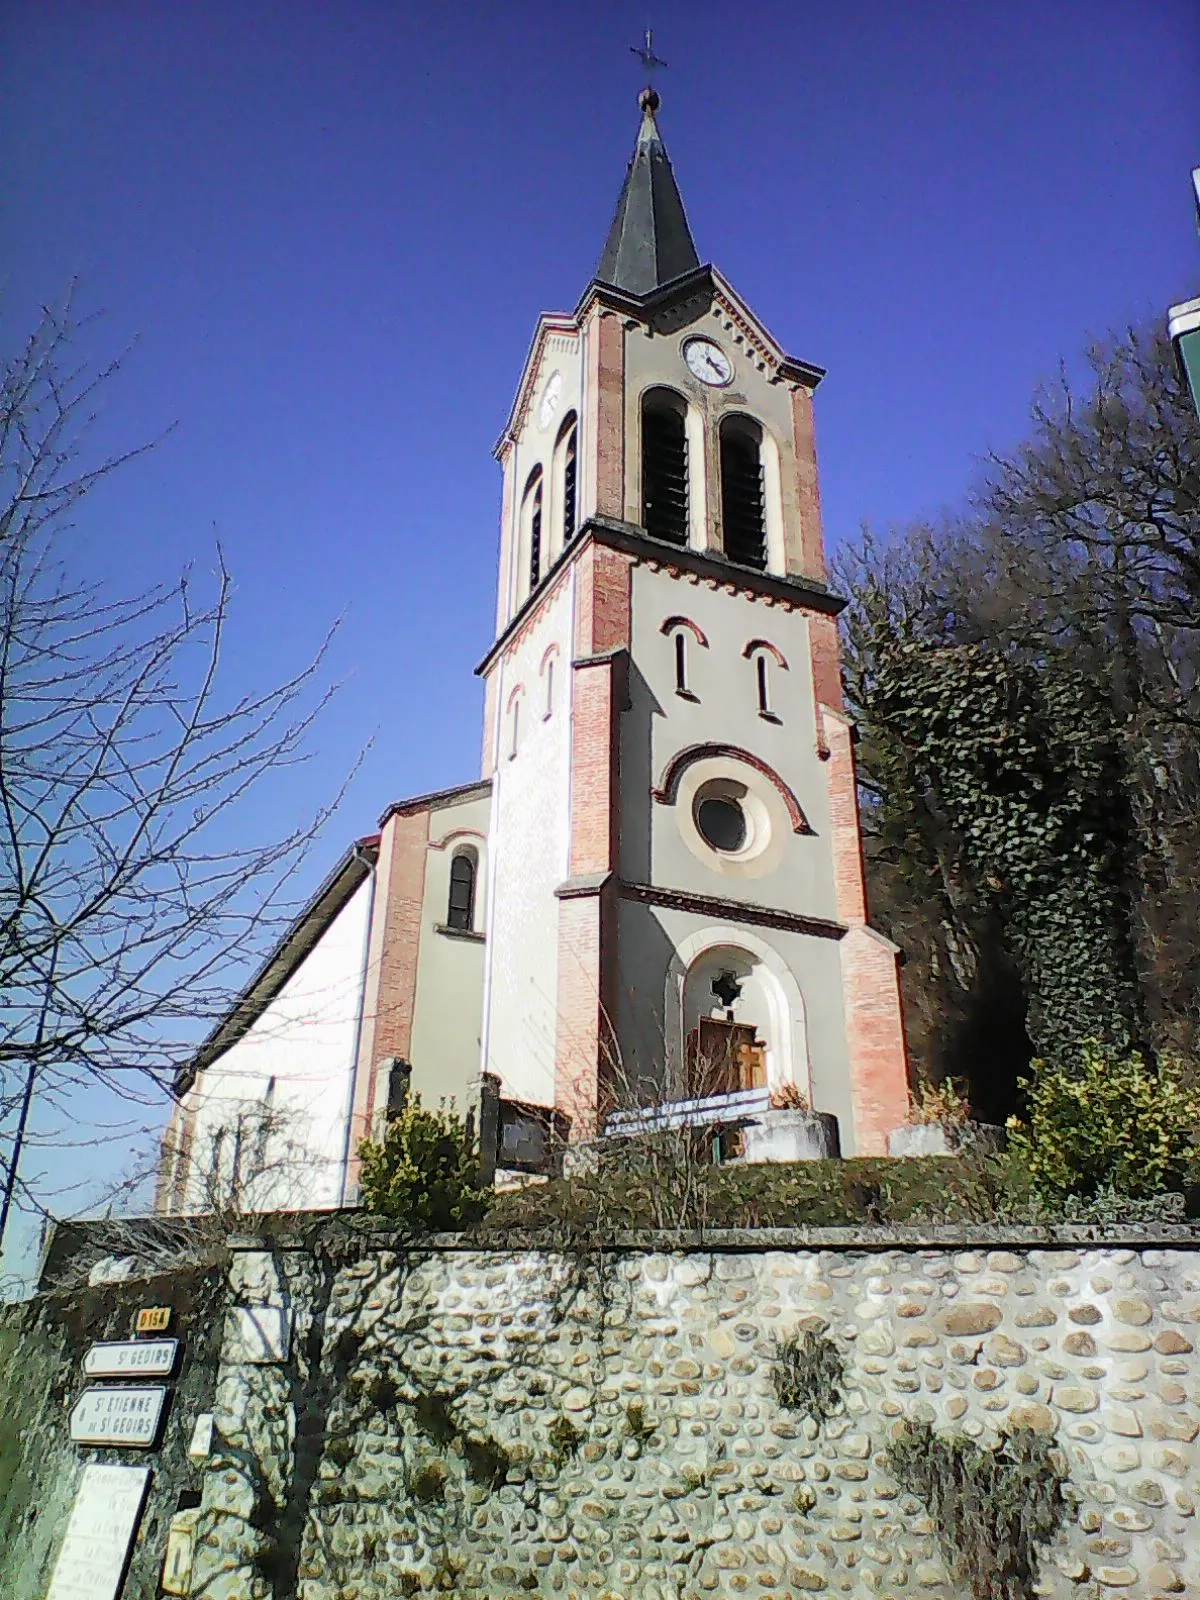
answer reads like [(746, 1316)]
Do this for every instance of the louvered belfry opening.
[(664, 468), (569, 481), (743, 509), (535, 540)]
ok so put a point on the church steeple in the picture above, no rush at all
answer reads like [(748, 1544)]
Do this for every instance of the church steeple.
[(649, 243)]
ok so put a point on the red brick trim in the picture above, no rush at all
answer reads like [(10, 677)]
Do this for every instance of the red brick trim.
[(668, 785), (604, 603), (390, 990), (698, 633), (874, 1038), (848, 867), (808, 489), (754, 916), (455, 835), (825, 649), (607, 372), (773, 651)]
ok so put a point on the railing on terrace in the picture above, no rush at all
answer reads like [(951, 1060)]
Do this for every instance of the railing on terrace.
[(725, 1109)]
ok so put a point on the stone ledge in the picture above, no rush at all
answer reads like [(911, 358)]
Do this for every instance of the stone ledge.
[(373, 1234)]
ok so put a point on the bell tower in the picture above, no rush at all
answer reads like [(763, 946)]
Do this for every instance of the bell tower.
[(676, 887)]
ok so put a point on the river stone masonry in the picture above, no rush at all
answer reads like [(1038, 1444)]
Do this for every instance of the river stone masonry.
[(500, 1423)]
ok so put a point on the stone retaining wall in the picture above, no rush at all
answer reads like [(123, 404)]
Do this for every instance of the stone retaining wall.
[(504, 1423)]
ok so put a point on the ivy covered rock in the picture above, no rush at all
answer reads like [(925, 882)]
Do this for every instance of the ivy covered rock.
[(1025, 769)]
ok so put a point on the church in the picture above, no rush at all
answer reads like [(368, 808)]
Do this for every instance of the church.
[(654, 892)]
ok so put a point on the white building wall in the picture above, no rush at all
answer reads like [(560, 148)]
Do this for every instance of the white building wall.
[(290, 1073), (528, 850)]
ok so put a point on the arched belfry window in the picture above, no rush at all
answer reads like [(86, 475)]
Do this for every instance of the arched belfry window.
[(743, 508), (567, 455), (460, 912), (532, 509), (665, 466)]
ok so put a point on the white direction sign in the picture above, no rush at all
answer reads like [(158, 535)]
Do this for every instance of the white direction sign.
[(118, 1416), (103, 1522), (132, 1358)]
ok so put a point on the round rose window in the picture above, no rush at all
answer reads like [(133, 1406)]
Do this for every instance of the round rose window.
[(721, 822)]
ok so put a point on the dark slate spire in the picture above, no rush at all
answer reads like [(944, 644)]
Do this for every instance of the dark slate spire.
[(649, 242)]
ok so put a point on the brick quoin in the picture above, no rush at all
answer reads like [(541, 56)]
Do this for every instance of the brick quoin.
[(808, 489), (826, 654), (870, 977), (606, 375), (390, 991), (603, 617), (875, 1035), (848, 869)]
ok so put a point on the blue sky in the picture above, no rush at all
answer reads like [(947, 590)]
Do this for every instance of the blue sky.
[(330, 228)]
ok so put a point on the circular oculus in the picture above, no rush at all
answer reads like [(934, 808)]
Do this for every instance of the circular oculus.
[(721, 823)]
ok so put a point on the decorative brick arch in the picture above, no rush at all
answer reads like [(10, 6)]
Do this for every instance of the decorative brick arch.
[(765, 645), (668, 785), (672, 623), (458, 836)]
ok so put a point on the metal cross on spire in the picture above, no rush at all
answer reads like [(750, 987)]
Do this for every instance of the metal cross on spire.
[(645, 54)]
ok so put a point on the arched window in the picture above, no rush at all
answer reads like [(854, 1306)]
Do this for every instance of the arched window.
[(535, 537), (763, 683), (548, 685), (743, 511), (568, 456), (514, 726), (681, 683), (664, 466), (460, 912)]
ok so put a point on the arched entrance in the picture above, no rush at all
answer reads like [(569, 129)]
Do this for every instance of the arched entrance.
[(735, 1017)]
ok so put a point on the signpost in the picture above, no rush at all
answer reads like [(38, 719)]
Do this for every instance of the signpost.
[(118, 1416), (132, 1358), (99, 1533), (153, 1319)]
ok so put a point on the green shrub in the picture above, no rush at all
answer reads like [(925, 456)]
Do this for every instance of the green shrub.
[(425, 1172), (1116, 1124), (993, 1509)]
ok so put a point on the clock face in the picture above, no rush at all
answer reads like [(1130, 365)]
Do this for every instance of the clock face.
[(708, 362), (551, 399)]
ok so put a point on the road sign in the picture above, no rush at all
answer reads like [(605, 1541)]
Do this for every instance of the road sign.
[(99, 1532), (153, 1319), (118, 1416), (132, 1358)]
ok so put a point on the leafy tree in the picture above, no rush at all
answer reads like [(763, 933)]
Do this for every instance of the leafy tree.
[(1051, 631)]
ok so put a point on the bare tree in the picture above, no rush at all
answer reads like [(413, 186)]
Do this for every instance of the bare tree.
[(131, 899)]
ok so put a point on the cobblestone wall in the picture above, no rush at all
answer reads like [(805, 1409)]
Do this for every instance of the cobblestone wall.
[(501, 1424)]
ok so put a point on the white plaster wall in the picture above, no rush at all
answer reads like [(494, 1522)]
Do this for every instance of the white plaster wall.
[(528, 847), (305, 1041), (660, 723), (534, 447), (447, 1020)]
